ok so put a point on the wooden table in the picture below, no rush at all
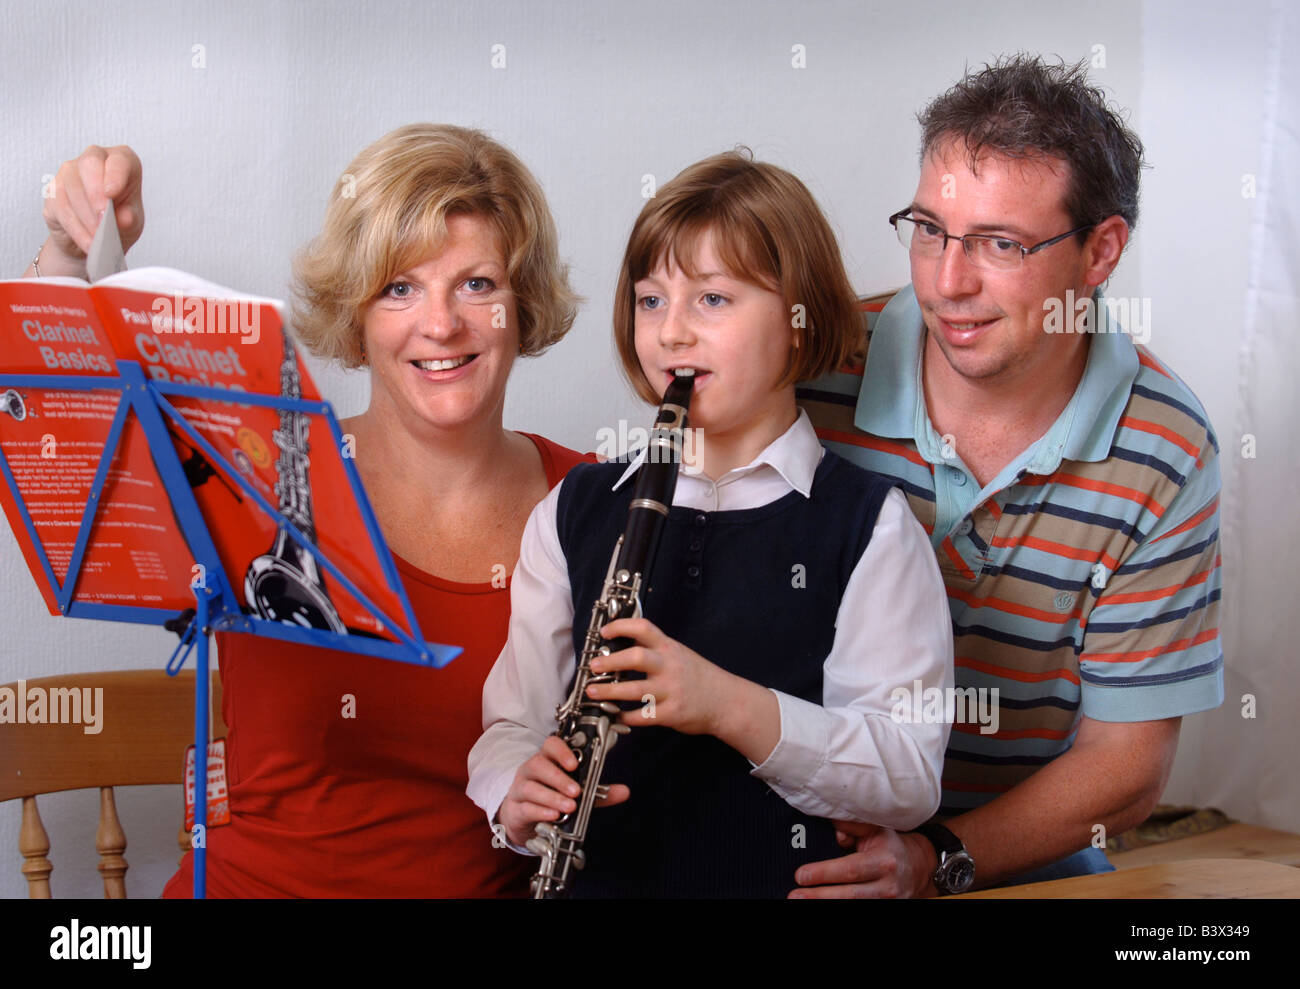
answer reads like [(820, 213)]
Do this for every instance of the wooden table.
[(1235, 841), (1192, 879)]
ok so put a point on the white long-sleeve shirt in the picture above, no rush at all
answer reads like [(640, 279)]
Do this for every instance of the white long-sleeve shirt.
[(846, 758)]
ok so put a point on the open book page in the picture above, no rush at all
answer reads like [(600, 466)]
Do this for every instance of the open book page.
[(181, 330), (172, 281), (53, 440)]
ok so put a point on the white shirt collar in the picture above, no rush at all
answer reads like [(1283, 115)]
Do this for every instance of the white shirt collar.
[(794, 455)]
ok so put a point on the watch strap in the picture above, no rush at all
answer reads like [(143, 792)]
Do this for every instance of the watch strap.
[(941, 838), (955, 871)]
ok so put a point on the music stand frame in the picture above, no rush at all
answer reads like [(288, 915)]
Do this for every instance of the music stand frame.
[(216, 608)]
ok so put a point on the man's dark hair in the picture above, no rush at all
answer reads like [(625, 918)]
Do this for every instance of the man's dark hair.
[(1022, 106)]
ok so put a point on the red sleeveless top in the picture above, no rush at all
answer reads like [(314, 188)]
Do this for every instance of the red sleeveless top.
[(371, 805)]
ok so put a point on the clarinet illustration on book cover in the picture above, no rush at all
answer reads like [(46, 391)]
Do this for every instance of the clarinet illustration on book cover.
[(285, 585)]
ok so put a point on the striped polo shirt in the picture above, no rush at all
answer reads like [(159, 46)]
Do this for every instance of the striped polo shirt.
[(1084, 578)]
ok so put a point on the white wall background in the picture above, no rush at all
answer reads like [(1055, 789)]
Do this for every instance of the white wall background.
[(241, 154)]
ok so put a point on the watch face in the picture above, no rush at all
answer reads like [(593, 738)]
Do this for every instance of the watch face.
[(960, 874)]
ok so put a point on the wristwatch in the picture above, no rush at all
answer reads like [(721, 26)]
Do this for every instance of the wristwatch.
[(956, 870)]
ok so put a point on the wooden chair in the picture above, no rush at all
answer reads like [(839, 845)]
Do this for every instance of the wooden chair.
[(147, 723)]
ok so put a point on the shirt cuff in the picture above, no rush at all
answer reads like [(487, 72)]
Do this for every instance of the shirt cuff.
[(800, 752), (1153, 702)]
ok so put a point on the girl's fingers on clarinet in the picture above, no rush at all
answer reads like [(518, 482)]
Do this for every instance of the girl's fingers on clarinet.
[(618, 792), (546, 772), (640, 630), (632, 658), (540, 795), (557, 750)]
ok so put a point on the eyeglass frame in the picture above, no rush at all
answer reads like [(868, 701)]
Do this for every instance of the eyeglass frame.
[(1024, 251)]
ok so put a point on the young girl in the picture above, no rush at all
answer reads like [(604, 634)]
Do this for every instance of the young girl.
[(792, 596)]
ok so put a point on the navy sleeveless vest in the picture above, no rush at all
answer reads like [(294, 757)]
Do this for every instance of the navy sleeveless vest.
[(757, 592)]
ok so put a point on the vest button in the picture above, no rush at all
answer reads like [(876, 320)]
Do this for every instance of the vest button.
[(692, 572), (701, 519), (695, 545)]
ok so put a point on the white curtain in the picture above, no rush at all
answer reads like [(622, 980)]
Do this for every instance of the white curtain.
[(1248, 765)]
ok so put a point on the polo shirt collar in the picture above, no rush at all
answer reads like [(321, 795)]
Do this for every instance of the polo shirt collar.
[(891, 380), (892, 402), (794, 455), (1104, 389)]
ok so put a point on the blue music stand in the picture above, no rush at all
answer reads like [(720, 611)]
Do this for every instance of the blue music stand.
[(216, 608)]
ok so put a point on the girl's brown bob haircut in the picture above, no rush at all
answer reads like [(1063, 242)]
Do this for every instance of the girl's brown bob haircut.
[(767, 230), (389, 212)]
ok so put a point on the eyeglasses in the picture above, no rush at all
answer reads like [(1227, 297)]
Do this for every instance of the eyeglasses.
[(988, 251)]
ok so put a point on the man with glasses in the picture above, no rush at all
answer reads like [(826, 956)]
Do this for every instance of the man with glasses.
[(1069, 483)]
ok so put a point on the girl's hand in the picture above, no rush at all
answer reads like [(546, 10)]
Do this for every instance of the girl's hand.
[(80, 194), (543, 791), (682, 689)]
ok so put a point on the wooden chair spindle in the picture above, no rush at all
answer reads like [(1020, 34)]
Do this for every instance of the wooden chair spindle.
[(34, 845), (110, 842)]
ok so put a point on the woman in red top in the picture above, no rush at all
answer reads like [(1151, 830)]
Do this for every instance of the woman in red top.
[(437, 267)]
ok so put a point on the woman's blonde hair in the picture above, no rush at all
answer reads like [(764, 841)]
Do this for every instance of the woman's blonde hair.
[(389, 212), (767, 230)]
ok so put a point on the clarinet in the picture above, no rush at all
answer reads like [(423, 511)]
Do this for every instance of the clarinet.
[(284, 584), (590, 728)]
